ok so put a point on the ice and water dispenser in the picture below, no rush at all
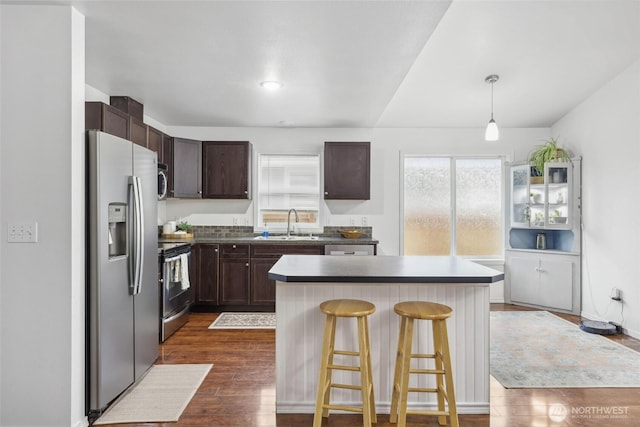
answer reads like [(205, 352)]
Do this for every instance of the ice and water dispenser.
[(117, 229)]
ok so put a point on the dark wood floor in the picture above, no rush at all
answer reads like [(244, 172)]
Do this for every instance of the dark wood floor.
[(240, 389)]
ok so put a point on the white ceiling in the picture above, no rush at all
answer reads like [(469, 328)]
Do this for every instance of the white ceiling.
[(360, 63)]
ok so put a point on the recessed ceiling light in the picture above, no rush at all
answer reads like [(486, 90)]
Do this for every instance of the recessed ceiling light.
[(271, 85)]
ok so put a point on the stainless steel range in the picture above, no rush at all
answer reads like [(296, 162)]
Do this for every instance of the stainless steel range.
[(175, 287)]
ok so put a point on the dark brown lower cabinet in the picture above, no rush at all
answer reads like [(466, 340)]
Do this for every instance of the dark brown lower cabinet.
[(234, 281), (234, 274), (205, 257), (263, 289)]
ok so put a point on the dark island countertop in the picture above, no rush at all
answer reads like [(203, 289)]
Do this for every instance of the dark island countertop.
[(381, 269)]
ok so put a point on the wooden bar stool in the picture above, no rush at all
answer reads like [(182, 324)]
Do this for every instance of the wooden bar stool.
[(437, 313), (346, 308)]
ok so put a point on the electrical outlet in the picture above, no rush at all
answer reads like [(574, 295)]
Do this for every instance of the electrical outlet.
[(352, 221), (22, 232), (235, 221), (364, 221)]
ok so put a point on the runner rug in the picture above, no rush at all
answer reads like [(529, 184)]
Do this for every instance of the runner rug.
[(161, 396), (244, 321), (536, 349)]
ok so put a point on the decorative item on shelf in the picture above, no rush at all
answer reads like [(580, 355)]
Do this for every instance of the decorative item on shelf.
[(184, 230), (351, 234), (545, 153)]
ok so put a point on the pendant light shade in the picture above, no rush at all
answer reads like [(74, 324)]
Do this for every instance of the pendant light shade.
[(492, 133)]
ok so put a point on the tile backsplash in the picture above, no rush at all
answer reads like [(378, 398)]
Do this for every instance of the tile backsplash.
[(224, 231)]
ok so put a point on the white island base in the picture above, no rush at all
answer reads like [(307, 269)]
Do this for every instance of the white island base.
[(299, 333)]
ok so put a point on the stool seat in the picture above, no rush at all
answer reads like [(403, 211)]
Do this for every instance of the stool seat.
[(423, 310), (347, 308)]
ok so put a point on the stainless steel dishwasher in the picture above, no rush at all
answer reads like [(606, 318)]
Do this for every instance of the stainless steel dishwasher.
[(349, 250)]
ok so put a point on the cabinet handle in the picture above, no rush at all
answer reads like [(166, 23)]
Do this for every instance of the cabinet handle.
[(234, 246), (540, 270), (246, 265), (246, 192), (215, 250), (326, 193)]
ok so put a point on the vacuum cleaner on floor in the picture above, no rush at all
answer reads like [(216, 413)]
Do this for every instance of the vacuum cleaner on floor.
[(603, 328)]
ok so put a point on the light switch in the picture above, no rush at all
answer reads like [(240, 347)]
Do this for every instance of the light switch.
[(22, 232)]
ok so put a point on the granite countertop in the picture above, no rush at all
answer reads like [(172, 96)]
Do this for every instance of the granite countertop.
[(319, 240), (382, 269)]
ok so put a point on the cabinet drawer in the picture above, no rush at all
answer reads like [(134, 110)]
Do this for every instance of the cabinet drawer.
[(234, 251), (268, 251)]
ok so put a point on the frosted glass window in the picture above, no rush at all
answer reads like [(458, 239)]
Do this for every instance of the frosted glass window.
[(452, 206), (427, 206), (478, 207), (286, 182)]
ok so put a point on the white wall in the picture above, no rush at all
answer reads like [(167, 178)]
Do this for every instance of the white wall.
[(42, 179), (606, 127), (382, 211)]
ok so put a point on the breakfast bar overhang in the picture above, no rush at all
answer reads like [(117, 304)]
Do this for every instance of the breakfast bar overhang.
[(303, 282)]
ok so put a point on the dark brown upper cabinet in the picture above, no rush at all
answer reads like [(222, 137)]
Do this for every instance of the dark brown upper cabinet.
[(101, 116), (187, 173), (154, 141), (167, 159), (226, 167), (128, 105), (347, 170), (137, 132)]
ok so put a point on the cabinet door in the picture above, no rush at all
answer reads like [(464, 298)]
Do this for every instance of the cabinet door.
[(137, 132), (167, 159), (520, 197), (100, 116), (524, 280), (234, 281), (154, 142), (347, 170), (225, 169), (556, 279), (207, 285), (558, 181), (187, 165), (263, 289)]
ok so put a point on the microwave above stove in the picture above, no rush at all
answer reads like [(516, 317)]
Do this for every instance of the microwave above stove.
[(163, 181)]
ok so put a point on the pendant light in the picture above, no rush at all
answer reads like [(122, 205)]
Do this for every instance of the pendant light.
[(492, 133)]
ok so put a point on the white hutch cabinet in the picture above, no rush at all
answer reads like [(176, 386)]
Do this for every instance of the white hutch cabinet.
[(543, 254)]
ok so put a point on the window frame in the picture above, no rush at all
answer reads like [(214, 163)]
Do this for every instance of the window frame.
[(278, 228), (452, 211)]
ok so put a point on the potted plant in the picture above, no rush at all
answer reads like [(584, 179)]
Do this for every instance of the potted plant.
[(184, 226), (547, 152)]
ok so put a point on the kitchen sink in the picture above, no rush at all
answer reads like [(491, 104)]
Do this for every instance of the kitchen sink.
[(309, 237)]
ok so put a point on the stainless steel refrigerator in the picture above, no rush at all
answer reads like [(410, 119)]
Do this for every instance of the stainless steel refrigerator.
[(122, 283)]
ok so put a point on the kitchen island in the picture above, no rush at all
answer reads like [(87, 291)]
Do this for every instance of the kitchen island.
[(305, 281)]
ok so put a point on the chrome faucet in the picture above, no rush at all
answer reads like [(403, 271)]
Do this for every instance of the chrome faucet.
[(289, 220)]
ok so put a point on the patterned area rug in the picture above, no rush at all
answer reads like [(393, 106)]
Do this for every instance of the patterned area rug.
[(244, 321), (161, 396), (536, 349)]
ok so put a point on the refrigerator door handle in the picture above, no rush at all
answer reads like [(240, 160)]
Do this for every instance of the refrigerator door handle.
[(138, 247)]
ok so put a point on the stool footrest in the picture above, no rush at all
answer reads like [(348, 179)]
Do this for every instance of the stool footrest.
[(344, 368), (422, 390), (423, 356), (347, 386), (428, 371), (438, 413), (346, 352), (343, 408)]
